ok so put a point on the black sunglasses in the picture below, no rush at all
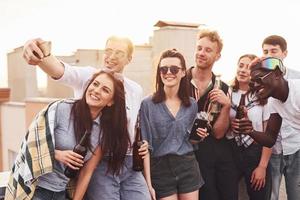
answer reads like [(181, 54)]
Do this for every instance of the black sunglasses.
[(173, 69)]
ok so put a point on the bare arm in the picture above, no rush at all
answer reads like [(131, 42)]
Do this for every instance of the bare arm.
[(222, 123), (86, 173), (258, 178), (33, 53), (268, 138), (147, 175)]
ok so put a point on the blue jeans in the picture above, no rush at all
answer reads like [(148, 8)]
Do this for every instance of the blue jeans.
[(289, 166), (44, 194)]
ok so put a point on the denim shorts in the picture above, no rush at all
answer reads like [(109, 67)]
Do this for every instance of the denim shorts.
[(175, 174)]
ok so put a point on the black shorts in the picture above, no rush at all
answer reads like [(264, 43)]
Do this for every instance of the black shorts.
[(171, 174)]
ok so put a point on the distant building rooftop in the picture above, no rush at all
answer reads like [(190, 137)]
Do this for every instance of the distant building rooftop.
[(177, 24)]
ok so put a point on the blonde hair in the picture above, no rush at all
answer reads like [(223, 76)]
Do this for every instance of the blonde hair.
[(213, 37), (129, 43)]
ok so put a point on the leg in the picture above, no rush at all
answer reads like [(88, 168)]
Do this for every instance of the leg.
[(206, 158), (252, 157), (226, 172), (172, 197), (292, 175), (276, 164), (189, 196)]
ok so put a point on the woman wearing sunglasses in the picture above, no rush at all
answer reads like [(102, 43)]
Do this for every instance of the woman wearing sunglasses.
[(252, 159), (165, 118)]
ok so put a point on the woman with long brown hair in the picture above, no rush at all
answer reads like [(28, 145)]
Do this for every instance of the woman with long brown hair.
[(113, 146), (252, 159), (101, 111), (166, 117)]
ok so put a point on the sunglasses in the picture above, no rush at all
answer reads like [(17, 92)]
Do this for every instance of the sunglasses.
[(258, 80), (272, 63), (117, 53), (173, 69)]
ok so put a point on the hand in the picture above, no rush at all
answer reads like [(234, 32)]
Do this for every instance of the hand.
[(242, 126), (217, 95), (32, 53), (143, 150), (258, 178), (152, 193), (255, 61), (202, 132), (69, 158)]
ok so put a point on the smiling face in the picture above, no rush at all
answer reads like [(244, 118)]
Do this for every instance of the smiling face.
[(243, 71), (116, 55), (100, 93), (170, 79), (207, 53), (262, 83)]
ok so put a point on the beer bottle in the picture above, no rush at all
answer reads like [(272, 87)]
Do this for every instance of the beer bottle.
[(80, 148), (240, 114), (240, 109), (138, 163), (215, 107)]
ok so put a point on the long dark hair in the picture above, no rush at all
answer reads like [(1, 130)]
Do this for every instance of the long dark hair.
[(183, 92), (115, 138)]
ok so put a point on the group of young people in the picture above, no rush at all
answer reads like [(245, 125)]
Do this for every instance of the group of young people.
[(107, 104)]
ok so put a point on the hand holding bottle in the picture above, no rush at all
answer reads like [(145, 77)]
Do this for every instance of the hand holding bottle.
[(69, 158), (242, 126), (144, 149)]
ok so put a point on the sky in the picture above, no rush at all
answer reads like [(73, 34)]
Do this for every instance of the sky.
[(79, 24)]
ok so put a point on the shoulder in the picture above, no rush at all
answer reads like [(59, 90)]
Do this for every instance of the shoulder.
[(147, 100), (292, 74), (193, 100), (194, 104), (65, 104)]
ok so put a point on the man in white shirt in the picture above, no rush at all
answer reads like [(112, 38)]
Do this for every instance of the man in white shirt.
[(117, 54), (284, 149)]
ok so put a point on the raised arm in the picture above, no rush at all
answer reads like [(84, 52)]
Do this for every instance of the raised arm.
[(34, 54), (86, 173)]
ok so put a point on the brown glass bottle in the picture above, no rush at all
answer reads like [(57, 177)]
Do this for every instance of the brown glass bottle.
[(138, 163), (240, 113), (215, 107), (80, 148)]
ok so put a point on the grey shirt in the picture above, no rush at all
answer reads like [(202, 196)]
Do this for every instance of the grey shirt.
[(165, 133), (65, 140)]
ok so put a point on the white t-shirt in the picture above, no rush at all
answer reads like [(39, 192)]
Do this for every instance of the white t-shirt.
[(257, 114), (277, 148), (78, 77), (290, 113)]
